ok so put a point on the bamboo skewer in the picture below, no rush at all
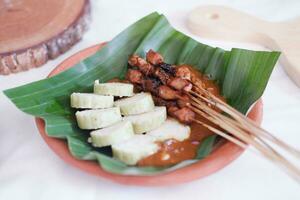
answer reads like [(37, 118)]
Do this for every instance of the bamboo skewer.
[(261, 146), (222, 134), (243, 131), (249, 124)]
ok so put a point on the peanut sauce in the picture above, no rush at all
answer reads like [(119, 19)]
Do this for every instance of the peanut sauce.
[(172, 151)]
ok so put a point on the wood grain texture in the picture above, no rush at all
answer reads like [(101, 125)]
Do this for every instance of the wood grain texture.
[(223, 23), (34, 31)]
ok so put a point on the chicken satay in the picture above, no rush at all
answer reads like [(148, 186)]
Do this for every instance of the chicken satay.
[(161, 102), (157, 60), (134, 76), (183, 101), (136, 60), (172, 109), (145, 67), (161, 75), (170, 69), (184, 72), (154, 58), (137, 88), (168, 93), (184, 115), (150, 85), (178, 83)]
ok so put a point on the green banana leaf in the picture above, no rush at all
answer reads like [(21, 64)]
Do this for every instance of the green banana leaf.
[(241, 74)]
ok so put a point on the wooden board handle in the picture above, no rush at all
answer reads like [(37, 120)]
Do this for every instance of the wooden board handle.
[(222, 23)]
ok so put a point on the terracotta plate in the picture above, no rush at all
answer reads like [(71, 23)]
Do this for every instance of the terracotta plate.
[(217, 160)]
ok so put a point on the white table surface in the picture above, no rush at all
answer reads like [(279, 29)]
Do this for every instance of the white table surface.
[(30, 170)]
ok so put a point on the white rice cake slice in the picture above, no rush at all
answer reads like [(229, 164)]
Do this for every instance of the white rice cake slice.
[(171, 129), (148, 121), (100, 118), (136, 148), (114, 89), (137, 104), (116, 133), (90, 100)]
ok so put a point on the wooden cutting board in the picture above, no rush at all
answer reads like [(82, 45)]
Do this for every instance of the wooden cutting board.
[(34, 31), (222, 23)]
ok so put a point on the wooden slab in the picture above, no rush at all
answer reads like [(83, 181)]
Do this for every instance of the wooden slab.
[(34, 31), (222, 23)]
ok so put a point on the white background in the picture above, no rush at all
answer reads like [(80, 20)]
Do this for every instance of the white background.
[(30, 170)]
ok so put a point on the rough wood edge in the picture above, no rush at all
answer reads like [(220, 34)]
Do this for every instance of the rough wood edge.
[(36, 56)]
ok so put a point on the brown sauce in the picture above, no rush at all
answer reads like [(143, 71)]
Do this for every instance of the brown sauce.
[(171, 151)]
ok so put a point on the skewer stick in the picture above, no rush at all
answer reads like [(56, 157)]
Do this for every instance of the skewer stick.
[(243, 133), (243, 120), (222, 134), (264, 149)]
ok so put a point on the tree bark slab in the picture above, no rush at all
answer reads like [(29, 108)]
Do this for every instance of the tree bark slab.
[(34, 31)]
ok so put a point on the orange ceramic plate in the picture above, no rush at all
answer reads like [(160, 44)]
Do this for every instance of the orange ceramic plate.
[(218, 159)]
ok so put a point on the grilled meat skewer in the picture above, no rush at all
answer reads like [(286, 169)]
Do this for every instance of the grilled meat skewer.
[(145, 67), (167, 83), (154, 58)]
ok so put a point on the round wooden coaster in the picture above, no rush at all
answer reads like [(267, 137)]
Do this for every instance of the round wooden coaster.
[(34, 31)]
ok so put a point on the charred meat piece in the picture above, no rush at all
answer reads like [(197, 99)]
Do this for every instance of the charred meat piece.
[(184, 72), (161, 102), (161, 75), (170, 69), (145, 67), (153, 57), (150, 85), (184, 115), (134, 76), (137, 88), (183, 101), (135, 60), (167, 93), (172, 109), (178, 83)]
